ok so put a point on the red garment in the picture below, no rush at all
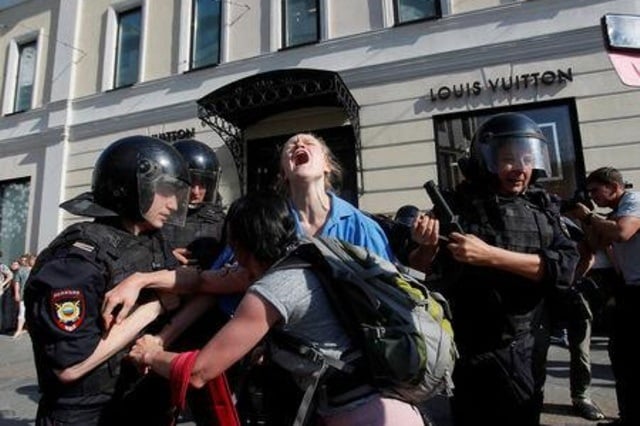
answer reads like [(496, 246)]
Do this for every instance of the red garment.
[(223, 410)]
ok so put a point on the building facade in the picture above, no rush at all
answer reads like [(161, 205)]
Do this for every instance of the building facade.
[(396, 87)]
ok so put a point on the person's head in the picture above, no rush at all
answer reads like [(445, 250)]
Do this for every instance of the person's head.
[(140, 179), (260, 225), (407, 214), (15, 265), (24, 259), (307, 157), (204, 170), (508, 152), (605, 186)]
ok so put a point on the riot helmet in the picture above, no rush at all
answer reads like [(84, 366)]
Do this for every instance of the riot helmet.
[(128, 175), (509, 138), (204, 167)]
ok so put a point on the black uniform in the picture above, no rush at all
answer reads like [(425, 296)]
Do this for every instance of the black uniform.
[(63, 299), (201, 234), (494, 311)]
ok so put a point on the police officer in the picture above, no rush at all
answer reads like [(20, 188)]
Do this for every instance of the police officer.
[(499, 271), (139, 184), (199, 241)]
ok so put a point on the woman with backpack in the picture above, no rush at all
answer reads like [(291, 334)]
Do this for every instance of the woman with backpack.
[(260, 229)]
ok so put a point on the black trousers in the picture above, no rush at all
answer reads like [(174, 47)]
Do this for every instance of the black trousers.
[(624, 358)]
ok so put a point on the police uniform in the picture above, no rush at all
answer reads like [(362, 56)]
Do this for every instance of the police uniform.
[(63, 299), (201, 233), (494, 311)]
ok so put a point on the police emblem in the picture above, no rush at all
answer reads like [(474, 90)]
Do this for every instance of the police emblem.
[(68, 308)]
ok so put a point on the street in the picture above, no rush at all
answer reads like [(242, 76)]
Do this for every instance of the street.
[(19, 391)]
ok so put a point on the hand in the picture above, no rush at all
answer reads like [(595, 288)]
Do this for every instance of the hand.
[(580, 211), (470, 249), (145, 348), (425, 230), (182, 254), (120, 299)]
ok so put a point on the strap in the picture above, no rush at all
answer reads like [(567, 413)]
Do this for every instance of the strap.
[(307, 398), (218, 389)]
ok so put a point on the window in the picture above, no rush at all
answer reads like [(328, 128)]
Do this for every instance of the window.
[(205, 34), (127, 62), (14, 211), (416, 10), (27, 53), (557, 122), (301, 22)]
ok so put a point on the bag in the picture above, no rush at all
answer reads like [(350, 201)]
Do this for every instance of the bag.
[(402, 330)]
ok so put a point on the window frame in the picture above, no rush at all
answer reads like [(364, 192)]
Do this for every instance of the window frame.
[(116, 59), (21, 46), (284, 27), (12, 71), (563, 184), (192, 37)]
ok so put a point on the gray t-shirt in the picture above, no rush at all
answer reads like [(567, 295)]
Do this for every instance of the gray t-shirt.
[(627, 254), (298, 295)]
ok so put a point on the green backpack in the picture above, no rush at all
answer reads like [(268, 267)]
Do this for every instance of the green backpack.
[(402, 330)]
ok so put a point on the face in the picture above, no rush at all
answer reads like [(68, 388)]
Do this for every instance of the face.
[(304, 157), (515, 166), (602, 195), (164, 204), (198, 192)]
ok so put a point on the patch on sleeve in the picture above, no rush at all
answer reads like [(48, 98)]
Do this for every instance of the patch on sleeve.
[(83, 246), (68, 308)]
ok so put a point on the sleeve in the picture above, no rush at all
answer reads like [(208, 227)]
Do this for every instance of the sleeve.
[(629, 206), (374, 239), (67, 294), (560, 258)]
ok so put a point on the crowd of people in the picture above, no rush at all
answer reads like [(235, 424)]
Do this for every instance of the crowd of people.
[(13, 279), (160, 255)]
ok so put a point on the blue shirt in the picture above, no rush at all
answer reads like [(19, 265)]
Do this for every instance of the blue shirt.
[(347, 223)]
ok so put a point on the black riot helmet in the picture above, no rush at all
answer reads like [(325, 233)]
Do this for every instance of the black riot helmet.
[(511, 131), (128, 175), (204, 167)]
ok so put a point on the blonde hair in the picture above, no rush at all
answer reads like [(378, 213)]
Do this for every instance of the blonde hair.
[(332, 178)]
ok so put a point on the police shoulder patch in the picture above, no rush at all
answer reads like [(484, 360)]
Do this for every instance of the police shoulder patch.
[(68, 308)]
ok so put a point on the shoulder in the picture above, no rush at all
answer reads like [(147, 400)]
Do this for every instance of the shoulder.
[(629, 206)]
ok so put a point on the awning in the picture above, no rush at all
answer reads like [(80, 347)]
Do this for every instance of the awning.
[(234, 107)]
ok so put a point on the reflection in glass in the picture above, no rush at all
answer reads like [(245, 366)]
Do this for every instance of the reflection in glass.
[(26, 75), (128, 48), (414, 10), (301, 21), (205, 44)]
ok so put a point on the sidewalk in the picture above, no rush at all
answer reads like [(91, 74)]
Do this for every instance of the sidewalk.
[(19, 391)]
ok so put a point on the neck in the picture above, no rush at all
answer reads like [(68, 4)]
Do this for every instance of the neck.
[(312, 203)]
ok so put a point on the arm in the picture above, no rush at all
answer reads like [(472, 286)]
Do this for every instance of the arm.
[(119, 336), (7, 279), (618, 230), (251, 323), (424, 232), (470, 249), (181, 280), (190, 312)]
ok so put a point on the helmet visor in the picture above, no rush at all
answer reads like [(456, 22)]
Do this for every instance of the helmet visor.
[(163, 199), (516, 153)]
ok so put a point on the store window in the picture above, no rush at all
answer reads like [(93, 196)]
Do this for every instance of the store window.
[(14, 211), (301, 22), (127, 63), (558, 122), (27, 53), (416, 10), (205, 34)]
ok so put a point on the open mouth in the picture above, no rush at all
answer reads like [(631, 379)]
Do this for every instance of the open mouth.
[(300, 157)]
